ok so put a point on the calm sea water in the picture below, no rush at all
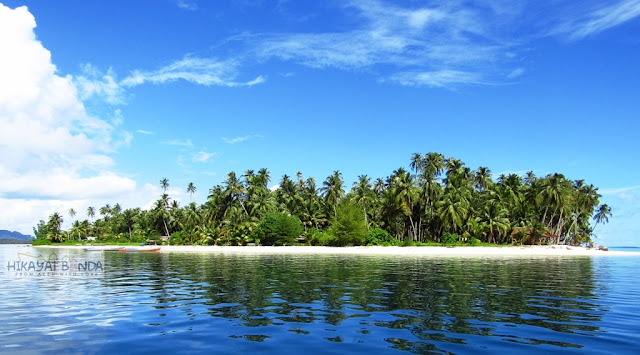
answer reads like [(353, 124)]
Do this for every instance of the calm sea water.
[(189, 303)]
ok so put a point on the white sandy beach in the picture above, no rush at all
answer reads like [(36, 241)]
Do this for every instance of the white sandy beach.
[(546, 250)]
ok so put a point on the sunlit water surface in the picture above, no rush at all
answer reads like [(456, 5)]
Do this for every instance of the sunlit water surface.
[(323, 303)]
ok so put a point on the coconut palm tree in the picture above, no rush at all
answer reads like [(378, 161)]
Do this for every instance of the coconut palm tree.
[(191, 189), (363, 194), (164, 184), (128, 218), (234, 190), (482, 178), (405, 197), (55, 221), (416, 162), (332, 190), (161, 208), (434, 164), (494, 216), (602, 215), (91, 212)]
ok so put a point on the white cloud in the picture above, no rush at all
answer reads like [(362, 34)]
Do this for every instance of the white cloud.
[(102, 85), (599, 19), (240, 139), (186, 143), (442, 78), (441, 45), (187, 5), (623, 228), (515, 73), (202, 156), (53, 152), (202, 71), (145, 132)]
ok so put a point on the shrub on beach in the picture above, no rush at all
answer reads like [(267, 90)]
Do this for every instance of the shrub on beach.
[(348, 227), (450, 238), (473, 241), (377, 236), (278, 229)]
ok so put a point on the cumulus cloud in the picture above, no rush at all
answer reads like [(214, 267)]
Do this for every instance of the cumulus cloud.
[(52, 149)]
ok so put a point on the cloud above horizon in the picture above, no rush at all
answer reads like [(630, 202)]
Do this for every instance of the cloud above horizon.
[(53, 150)]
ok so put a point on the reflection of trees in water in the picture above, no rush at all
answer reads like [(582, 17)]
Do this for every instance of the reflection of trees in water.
[(436, 300)]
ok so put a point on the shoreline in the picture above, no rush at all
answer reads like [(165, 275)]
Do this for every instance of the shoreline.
[(435, 251)]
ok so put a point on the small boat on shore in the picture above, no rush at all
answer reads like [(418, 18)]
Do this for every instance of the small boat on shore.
[(143, 249), (102, 248)]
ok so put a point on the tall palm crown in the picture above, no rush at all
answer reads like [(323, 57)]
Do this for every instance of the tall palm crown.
[(164, 184), (191, 189), (332, 189)]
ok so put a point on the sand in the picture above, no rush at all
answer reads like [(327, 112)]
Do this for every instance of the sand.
[(546, 250)]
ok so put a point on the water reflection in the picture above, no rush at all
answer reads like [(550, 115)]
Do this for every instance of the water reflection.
[(428, 302), (340, 303)]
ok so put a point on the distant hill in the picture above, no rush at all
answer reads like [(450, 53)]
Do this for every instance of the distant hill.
[(5, 234)]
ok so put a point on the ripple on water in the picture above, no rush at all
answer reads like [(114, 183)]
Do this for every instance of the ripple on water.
[(339, 303)]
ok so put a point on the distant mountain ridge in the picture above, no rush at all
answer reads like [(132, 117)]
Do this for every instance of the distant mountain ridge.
[(5, 234)]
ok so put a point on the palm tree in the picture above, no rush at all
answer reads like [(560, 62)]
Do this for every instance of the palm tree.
[(494, 216), (482, 178), (363, 194), (105, 211), (434, 164), (116, 209), (234, 190), (332, 190), (91, 212), (602, 215), (128, 218), (454, 207), (416, 162), (161, 207), (164, 184), (72, 213), (55, 221), (405, 197), (191, 189)]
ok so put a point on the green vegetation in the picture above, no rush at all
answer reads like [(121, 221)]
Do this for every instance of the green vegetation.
[(277, 228), (439, 201)]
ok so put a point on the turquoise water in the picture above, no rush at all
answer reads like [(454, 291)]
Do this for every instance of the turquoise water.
[(188, 303)]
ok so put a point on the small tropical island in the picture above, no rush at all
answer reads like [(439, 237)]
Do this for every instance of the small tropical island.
[(438, 201)]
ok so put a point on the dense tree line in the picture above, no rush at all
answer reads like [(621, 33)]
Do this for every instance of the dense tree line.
[(438, 199)]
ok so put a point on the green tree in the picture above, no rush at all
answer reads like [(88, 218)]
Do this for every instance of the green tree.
[(363, 195), (91, 212), (53, 227), (191, 189), (332, 190), (349, 227), (602, 215), (164, 184), (278, 229)]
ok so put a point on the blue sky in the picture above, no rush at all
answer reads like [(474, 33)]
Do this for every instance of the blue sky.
[(101, 100)]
